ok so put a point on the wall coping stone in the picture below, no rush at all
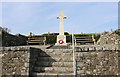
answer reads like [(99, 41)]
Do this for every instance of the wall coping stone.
[(58, 49), (97, 48), (77, 48), (15, 48)]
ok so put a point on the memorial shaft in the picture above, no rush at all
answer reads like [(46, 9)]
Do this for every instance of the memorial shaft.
[(61, 31), (61, 26)]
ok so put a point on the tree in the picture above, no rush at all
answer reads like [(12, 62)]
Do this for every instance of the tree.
[(5, 29)]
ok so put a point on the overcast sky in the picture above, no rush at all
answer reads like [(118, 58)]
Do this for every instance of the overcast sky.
[(40, 17)]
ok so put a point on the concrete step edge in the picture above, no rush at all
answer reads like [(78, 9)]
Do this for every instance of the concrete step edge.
[(59, 64), (53, 69), (55, 59), (52, 73)]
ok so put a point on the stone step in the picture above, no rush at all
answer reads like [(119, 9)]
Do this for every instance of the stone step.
[(84, 41), (53, 69), (60, 47), (58, 50), (55, 59), (33, 42), (55, 64), (85, 37), (43, 54), (52, 74)]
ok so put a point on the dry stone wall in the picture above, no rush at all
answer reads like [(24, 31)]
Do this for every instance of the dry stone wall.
[(18, 60), (109, 38), (97, 60), (7, 39)]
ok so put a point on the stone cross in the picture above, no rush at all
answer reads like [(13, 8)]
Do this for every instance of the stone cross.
[(61, 17), (61, 38)]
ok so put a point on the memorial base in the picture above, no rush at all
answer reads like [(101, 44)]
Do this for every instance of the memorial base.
[(61, 40)]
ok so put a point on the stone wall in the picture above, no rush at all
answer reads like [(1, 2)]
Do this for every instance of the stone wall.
[(97, 60), (12, 40), (91, 60), (109, 38), (18, 60)]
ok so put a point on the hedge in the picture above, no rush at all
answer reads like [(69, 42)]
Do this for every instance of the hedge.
[(52, 39)]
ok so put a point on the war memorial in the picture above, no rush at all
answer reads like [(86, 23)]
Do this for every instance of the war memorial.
[(60, 55)]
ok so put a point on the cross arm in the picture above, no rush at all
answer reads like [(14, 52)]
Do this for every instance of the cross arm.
[(65, 16), (58, 16)]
